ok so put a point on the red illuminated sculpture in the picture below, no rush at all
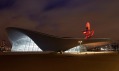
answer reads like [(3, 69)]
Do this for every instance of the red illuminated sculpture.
[(88, 32)]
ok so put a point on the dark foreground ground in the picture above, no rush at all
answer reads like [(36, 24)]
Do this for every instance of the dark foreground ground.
[(57, 62)]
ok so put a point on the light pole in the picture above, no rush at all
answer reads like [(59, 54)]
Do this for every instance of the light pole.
[(80, 45)]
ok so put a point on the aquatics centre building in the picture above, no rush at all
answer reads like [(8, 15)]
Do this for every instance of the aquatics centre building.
[(27, 40)]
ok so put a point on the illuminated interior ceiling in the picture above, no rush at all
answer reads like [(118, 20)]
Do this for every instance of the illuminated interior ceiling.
[(92, 45), (21, 42)]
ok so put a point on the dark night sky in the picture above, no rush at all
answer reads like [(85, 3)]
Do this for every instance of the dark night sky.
[(64, 18)]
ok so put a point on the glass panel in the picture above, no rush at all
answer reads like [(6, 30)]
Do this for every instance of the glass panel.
[(24, 43), (77, 49)]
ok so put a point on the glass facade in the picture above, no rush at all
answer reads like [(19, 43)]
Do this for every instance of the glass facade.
[(77, 49), (24, 44)]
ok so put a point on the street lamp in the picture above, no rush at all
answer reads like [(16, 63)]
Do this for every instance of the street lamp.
[(80, 45), (80, 42)]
